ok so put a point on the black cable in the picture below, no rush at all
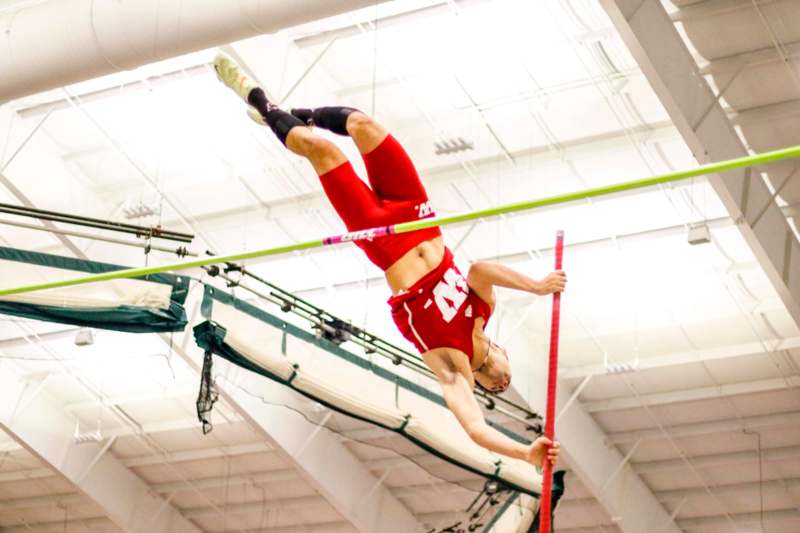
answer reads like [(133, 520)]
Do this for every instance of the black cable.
[(70, 359)]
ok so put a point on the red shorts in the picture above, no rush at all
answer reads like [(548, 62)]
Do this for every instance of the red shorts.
[(396, 195)]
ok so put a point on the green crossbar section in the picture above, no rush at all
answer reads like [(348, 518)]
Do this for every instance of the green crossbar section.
[(722, 166)]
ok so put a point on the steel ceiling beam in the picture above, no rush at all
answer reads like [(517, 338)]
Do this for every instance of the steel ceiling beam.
[(711, 8), (762, 56), (751, 349), (147, 428), (651, 36), (86, 524), (765, 113), (751, 489), (786, 453), (693, 395), (706, 523), (711, 427), (320, 457), (40, 425), (201, 454), (87, 39)]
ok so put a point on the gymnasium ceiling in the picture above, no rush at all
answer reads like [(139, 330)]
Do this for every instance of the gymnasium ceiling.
[(550, 100)]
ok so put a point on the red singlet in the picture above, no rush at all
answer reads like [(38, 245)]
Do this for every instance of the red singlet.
[(439, 310)]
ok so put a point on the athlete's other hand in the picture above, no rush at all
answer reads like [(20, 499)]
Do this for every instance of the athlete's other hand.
[(540, 448), (553, 282)]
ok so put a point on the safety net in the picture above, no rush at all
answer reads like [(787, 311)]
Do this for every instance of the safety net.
[(323, 369), (316, 362)]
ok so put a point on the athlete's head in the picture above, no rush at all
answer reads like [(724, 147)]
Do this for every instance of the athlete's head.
[(494, 374)]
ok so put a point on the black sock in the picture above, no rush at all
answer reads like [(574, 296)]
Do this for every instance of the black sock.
[(279, 121), (330, 118)]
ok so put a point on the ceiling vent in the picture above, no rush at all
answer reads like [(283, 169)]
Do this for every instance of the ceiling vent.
[(138, 210), (699, 234), (452, 146), (84, 337)]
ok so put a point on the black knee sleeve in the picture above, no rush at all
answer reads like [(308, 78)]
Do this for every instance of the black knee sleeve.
[(330, 118), (306, 115), (279, 121)]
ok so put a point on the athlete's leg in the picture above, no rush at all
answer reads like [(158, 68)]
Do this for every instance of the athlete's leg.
[(398, 191), (323, 155), (391, 173), (353, 200), (390, 170), (365, 132)]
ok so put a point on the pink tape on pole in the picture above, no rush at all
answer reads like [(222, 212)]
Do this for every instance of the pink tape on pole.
[(550, 414), (359, 235)]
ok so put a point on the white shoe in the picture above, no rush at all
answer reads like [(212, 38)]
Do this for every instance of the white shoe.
[(255, 116), (231, 75)]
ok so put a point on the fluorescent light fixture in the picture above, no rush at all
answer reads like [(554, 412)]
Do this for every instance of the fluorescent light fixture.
[(699, 234), (84, 337), (452, 146)]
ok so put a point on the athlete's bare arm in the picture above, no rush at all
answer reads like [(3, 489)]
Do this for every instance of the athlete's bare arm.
[(483, 276), (455, 376)]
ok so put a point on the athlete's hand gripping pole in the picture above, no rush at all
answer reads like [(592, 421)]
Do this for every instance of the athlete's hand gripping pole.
[(550, 413)]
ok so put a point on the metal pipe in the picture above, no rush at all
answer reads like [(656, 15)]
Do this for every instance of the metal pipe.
[(24, 143), (87, 38), (79, 220), (180, 251), (306, 72), (115, 91)]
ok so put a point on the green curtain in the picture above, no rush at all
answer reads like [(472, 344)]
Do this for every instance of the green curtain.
[(127, 318)]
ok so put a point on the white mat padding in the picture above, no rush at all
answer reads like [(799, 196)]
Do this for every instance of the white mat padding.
[(361, 393)]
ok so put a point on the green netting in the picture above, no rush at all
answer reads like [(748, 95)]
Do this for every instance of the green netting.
[(127, 318)]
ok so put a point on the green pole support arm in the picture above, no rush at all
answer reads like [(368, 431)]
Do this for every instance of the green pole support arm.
[(712, 168)]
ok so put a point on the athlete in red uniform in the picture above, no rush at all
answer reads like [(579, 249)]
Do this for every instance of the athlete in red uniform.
[(435, 307)]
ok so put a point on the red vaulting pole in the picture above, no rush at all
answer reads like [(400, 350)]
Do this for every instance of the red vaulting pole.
[(550, 415)]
